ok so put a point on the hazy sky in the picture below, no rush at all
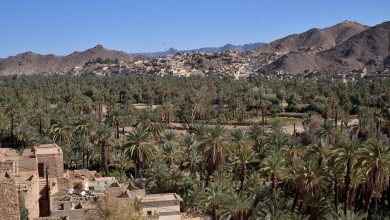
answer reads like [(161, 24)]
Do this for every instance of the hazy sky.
[(61, 27)]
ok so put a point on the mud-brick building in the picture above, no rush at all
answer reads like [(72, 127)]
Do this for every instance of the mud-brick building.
[(21, 173), (48, 156), (26, 172), (27, 185), (50, 167), (9, 207), (161, 206)]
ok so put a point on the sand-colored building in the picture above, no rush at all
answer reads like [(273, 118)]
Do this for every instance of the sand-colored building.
[(9, 209), (161, 206), (36, 186), (28, 173)]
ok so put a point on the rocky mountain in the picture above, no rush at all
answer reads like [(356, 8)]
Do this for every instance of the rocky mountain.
[(346, 48), (32, 63), (227, 47), (367, 49), (315, 39)]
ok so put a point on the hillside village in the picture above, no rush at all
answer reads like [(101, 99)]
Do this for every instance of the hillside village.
[(332, 53), (228, 63), (235, 64)]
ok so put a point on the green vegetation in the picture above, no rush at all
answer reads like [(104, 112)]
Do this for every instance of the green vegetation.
[(334, 169)]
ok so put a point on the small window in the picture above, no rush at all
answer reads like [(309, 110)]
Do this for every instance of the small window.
[(61, 207), (149, 213)]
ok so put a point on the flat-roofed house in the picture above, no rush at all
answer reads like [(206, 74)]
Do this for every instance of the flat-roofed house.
[(161, 206), (50, 156)]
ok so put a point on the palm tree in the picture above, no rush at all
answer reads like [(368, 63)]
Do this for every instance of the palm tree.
[(12, 109), (200, 131), (214, 148), (242, 159), (357, 178), (103, 133), (25, 133), (258, 135), (170, 152), (321, 150), (235, 206), (169, 136), (81, 144), (346, 157), (61, 130), (312, 182), (259, 192), (311, 178), (375, 159), (192, 160), (336, 174), (274, 211), (4, 125), (274, 167), (114, 119), (154, 124), (126, 118), (121, 162), (365, 128), (212, 198), (349, 215), (277, 140), (84, 126), (329, 132), (318, 206), (293, 154), (241, 140), (138, 146), (190, 142), (40, 119)]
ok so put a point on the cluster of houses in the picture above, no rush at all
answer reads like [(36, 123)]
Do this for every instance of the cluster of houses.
[(34, 185), (227, 63), (236, 64)]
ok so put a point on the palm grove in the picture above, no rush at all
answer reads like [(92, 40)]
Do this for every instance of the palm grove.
[(334, 169)]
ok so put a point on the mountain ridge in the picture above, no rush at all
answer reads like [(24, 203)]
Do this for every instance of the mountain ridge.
[(34, 63), (341, 48), (366, 48)]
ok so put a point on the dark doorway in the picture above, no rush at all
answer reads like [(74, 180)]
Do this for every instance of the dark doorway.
[(41, 170)]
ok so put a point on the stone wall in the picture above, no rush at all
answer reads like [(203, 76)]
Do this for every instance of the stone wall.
[(8, 166), (9, 207), (28, 187), (55, 164), (27, 164), (76, 214)]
